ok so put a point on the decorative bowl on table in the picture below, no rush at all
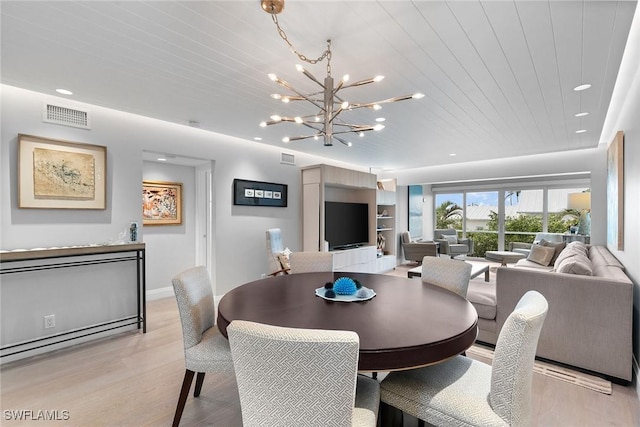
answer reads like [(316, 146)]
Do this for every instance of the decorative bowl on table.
[(345, 289)]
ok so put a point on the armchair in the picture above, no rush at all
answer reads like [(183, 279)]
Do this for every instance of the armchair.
[(415, 251), (525, 248), (450, 244)]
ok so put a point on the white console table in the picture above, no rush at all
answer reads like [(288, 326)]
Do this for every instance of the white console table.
[(25, 261)]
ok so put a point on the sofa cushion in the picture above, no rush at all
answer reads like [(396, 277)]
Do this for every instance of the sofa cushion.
[(577, 264), (482, 295), (541, 254), (451, 239), (599, 255), (578, 245), (568, 252), (525, 263), (558, 247)]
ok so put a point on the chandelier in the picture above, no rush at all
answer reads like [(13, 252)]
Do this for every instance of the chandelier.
[(327, 122)]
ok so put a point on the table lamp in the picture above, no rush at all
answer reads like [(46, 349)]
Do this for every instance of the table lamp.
[(582, 203)]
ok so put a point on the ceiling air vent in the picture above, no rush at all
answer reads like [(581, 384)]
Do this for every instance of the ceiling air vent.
[(61, 115), (288, 159)]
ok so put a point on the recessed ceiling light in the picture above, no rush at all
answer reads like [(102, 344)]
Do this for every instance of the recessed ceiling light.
[(162, 159), (380, 119), (581, 114), (582, 87), (452, 154), (64, 91), (581, 131), (257, 138)]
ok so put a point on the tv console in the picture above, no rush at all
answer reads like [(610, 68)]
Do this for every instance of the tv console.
[(362, 259)]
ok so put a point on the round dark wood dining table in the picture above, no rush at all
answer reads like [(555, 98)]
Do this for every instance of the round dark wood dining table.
[(406, 325)]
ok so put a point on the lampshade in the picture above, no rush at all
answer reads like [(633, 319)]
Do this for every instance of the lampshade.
[(579, 201)]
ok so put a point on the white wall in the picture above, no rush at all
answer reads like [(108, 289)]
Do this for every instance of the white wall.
[(629, 122), (171, 248)]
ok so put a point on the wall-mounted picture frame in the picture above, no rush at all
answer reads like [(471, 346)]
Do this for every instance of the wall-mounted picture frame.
[(258, 193), (161, 203), (615, 192), (55, 174)]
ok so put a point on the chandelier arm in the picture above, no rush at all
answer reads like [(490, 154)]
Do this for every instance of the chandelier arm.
[(352, 131), (311, 77), (299, 138), (342, 141), (360, 83)]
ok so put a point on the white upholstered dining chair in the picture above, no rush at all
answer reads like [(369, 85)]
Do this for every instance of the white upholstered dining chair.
[(465, 392), (308, 262), (205, 349), (447, 273), (300, 377)]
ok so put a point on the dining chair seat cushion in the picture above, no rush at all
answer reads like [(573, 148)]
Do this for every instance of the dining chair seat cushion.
[(211, 354), (444, 397), (365, 410)]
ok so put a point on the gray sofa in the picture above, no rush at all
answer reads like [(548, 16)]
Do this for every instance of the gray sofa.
[(589, 324)]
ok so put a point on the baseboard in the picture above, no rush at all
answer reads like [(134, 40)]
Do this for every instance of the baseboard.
[(159, 293)]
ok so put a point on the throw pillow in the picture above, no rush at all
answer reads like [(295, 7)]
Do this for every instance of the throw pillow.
[(452, 240), (576, 265), (541, 254), (283, 257), (558, 246)]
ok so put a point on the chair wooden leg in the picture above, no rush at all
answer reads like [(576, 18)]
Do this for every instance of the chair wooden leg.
[(420, 423), (199, 381), (182, 400)]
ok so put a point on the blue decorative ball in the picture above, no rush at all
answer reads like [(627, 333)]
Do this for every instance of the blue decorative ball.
[(330, 294), (344, 286)]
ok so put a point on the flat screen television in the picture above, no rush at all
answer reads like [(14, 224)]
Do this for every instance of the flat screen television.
[(346, 225)]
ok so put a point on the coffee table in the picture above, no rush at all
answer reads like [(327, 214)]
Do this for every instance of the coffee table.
[(503, 257), (476, 270), (406, 325)]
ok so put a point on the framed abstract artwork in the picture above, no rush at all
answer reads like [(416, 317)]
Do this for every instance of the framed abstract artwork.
[(161, 203), (615, 192), (258, 193), (55, 174)]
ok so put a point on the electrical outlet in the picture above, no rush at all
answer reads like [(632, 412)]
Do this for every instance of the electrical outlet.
[(50, 321)]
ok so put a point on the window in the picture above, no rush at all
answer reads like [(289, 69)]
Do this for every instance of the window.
[(481, 220), (449, 211), (508, 212)]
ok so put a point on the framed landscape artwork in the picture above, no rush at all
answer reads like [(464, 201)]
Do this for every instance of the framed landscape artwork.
[(258, 193), (55, 174), (161, 203), (615, 192)]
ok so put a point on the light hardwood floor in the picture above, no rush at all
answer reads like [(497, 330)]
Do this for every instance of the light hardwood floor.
[(133, 379)]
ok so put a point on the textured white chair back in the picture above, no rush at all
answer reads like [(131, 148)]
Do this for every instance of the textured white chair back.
[(294, 377), (512, 367), (194, 296), (307, 262), (447, 273)]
